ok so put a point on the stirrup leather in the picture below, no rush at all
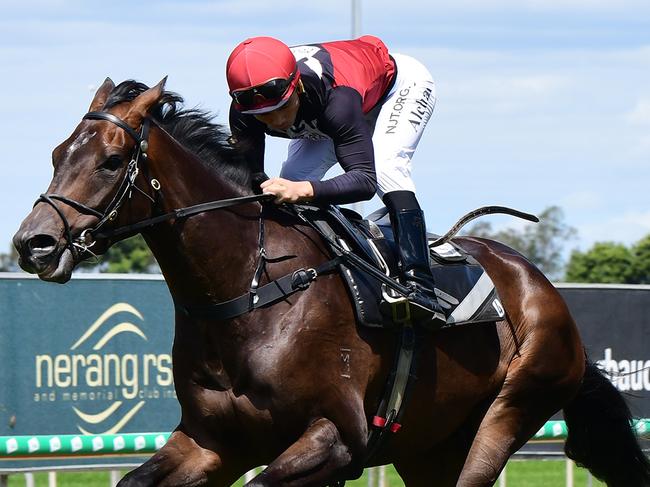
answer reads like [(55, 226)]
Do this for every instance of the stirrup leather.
[(402, 310)]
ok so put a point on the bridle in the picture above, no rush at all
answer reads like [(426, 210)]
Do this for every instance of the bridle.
[(86, 239)]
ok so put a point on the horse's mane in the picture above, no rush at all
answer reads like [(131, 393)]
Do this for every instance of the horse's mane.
[(193, 128)]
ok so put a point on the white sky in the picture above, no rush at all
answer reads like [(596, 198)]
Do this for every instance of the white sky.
[(540, 102)]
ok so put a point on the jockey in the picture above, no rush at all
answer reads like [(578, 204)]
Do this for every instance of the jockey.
[(348, 102)]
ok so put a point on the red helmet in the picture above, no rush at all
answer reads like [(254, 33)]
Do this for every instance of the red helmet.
[(262, 74)]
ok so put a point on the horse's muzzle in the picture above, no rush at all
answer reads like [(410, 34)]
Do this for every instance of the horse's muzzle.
[(41, 254)]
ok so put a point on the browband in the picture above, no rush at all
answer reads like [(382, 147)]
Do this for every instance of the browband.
[(109, 117)]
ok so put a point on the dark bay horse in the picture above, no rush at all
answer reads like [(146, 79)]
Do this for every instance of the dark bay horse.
[(271, 387)]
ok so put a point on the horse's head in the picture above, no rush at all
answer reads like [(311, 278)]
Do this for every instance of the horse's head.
[(94, 186)]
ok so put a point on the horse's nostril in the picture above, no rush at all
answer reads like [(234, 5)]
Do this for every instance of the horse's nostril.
[(41, 244)]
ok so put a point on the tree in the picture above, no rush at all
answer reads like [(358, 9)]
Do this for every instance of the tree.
[(609, 262), (130, 255), (641, 254), (9, 261), (542, 243), (605, 262)]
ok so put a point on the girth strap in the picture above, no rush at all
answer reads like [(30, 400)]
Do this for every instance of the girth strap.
[(270, 293)]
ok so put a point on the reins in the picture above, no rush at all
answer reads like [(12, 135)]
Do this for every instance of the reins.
[(186, 212), (256, 297)]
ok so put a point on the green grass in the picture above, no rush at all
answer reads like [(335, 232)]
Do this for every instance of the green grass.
[(69, 479), (540, 473), (531, 473)]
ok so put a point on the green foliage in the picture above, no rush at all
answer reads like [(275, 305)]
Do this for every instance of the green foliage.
[(641, 255), (542, 243), (609, 262), (605, 262), (9, 261), (130, 255)]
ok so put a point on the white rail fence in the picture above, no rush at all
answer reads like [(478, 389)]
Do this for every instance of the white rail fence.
[(66, 446)]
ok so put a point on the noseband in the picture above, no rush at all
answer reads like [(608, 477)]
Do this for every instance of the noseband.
[(86, 239)]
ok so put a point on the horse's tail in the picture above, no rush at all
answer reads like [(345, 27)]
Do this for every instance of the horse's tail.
[(601, 435)]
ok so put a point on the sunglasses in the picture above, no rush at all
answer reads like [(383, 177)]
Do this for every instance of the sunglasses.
[(271, 91)]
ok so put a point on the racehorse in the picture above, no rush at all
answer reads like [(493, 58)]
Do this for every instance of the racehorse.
[(271, 386)]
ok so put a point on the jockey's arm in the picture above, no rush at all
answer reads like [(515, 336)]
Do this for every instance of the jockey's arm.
[(343, 120)]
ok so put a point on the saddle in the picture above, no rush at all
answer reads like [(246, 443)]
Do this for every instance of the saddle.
[(463, 288)]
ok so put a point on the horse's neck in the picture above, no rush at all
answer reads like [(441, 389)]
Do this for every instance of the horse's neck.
[(203, 257)]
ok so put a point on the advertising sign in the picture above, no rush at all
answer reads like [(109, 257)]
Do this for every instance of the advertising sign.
[(94, 356), (614, 323), (89, 357)]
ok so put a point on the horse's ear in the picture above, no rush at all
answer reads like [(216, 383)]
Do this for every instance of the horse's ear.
[(144, 102), (102, 95)]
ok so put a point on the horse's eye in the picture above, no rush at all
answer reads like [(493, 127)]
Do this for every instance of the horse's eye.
[(113, 163)]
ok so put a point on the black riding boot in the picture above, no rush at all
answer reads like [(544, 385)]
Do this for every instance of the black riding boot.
[(409, 228)]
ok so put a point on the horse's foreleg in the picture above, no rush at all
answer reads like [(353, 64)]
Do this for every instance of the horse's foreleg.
[(181, 462), (312, 460)]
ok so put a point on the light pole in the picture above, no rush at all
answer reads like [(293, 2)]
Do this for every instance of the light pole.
[(355, 31), (355, 27)]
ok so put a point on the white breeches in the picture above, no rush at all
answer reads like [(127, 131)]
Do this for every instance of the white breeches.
[(400, 122)]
